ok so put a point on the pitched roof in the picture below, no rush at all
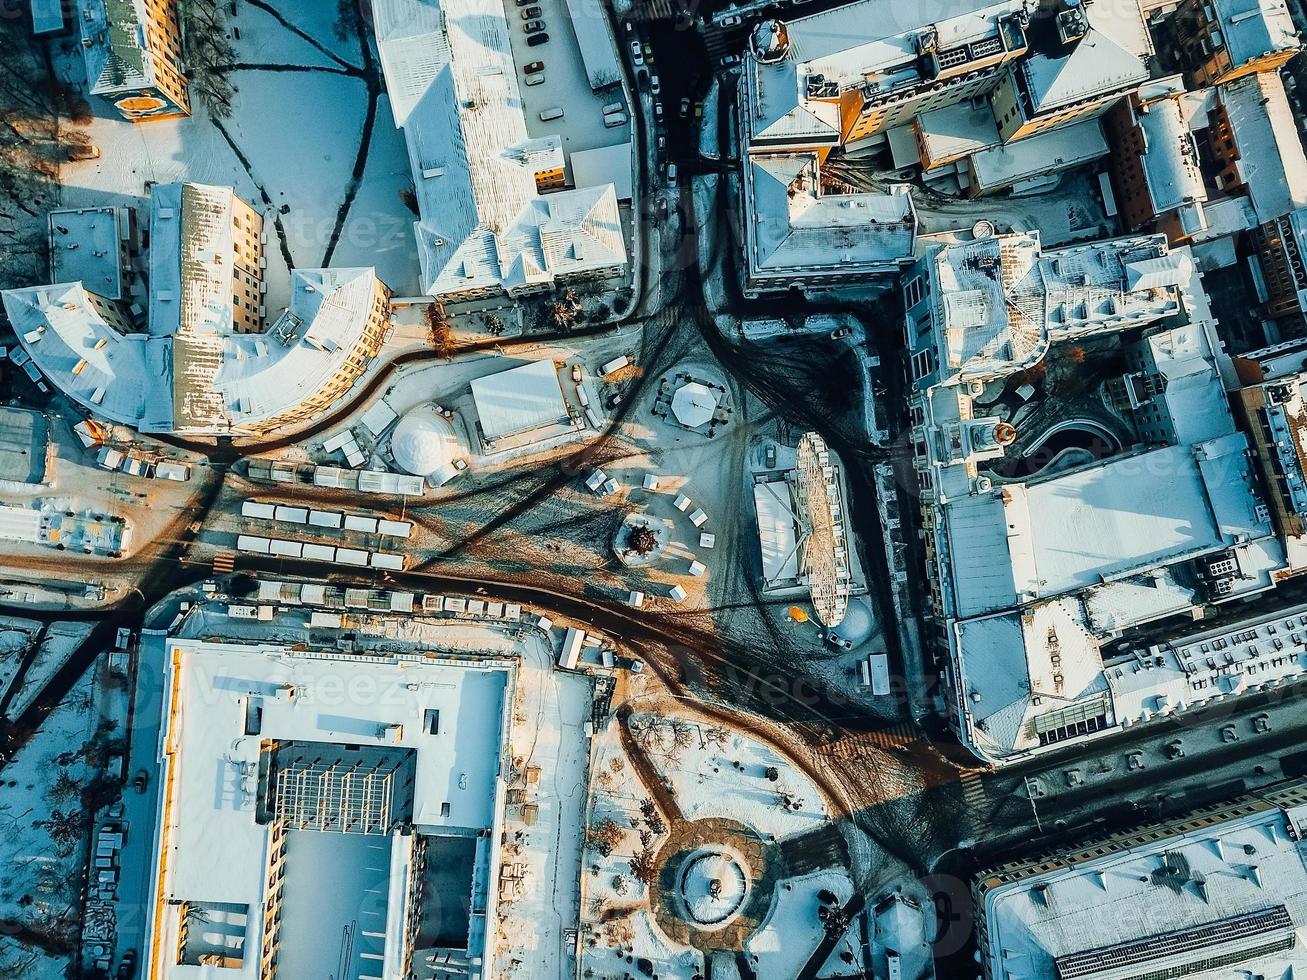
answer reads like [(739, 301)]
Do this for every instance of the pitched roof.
[(113, 46)]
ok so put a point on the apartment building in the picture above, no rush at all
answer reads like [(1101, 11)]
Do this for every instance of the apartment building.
[(1221, 40), (133, 55), (1219, 891), (1154, 166)]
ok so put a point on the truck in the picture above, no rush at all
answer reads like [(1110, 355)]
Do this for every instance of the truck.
[(570, 653), (615, 365), (878, 668)]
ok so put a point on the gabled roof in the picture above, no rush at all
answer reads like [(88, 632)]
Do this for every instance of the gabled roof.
[(115, 56), (1252, 28), (1098, 65), (1271, 159), (454, 92), (797, 227)]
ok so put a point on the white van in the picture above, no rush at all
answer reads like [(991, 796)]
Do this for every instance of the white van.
[(615, 119), (550, 114), (614, 107)]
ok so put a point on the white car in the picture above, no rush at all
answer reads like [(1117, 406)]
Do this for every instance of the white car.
[(655, 86), (636, 54), (731, 21), (730, 60), (537, 79)]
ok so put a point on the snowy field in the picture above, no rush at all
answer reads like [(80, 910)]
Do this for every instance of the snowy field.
[(289, 147), (42, 847)]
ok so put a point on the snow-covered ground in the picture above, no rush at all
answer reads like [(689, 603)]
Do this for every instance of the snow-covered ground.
[(59, 643), (290, 144), (42, 846), (793, 930), (715, 778), (548, 732)]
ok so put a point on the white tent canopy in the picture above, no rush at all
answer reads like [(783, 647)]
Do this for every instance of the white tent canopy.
[(519, 399), (694, 404)]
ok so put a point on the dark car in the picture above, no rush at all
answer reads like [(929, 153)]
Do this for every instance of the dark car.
[(535, 26), (533, 67), (141, 781), (127, 968), (536, 39), (530, 12)]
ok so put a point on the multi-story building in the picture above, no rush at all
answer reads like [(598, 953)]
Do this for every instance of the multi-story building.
[(485, 228), (401, 804), (1272, 399), (204, 239), (96, 247), (1218, 892), (1081, 60), (1220, 40), (1281, 246), (201, 361), (854, 72), (133, 55), (1155, 169), (1254, 140), (1035, 560)]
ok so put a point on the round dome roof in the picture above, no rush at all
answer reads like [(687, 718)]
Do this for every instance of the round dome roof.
[(713, 887), (857, 625), (423, 441), (770, 41)]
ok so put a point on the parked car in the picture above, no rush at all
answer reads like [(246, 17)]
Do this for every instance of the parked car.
[(534, 40), (658, 111), (671, 175), (140, 781), (841, 333), (532, 67), (536, 79), (576, 374), (87, 152), (636, 54), (535, 26), (698, 110), (662, 142), (530, 12), (648, 52), (614, 399), (684, 108), (549, 115), (732, 20), (615, 119), (655, 86), (730, 60), (127, 966)]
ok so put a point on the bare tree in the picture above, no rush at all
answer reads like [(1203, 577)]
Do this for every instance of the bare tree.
[(209, 55)]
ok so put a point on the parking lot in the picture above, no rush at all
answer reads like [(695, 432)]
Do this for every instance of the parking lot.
[(566, 85)]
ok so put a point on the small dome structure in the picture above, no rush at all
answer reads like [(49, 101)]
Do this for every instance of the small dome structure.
[(423, 441), (713, 887), (770, 41), (694, 404), (857, 625)]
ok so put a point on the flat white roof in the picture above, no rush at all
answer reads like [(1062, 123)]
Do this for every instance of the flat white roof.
[(1271, 159), (215, 851), (777, 531), (1246, 866), (604, 165), (519, 399), (85, 247)]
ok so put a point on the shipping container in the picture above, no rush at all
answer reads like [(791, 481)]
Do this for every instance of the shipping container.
[(394, 529), (251, 543), (570, 653), (262, 512), (879, 669), (387, 559), (351, 556), (357, 522), (326, 518), (292, 515)]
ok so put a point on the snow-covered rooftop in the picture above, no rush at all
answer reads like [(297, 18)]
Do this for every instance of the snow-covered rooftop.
[(1001, 300), (520, 399), (482, 224), (1111, 57), (86, 246), (1170, 157), (1252, 28), (420, 743), (778, 532), (795, 228), (114, 45), (1232, 892), (995, 167), (1271, 160), (191, 371)]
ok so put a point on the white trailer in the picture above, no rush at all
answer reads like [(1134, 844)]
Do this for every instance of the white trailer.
[(320, 552), (570, 653), (289, 549), (351, 556), (326, 518), (252, 543), (292, 515), (878, 667), (616, 364), (357, 522), (387, 559), (395, 529), (261, 512)]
